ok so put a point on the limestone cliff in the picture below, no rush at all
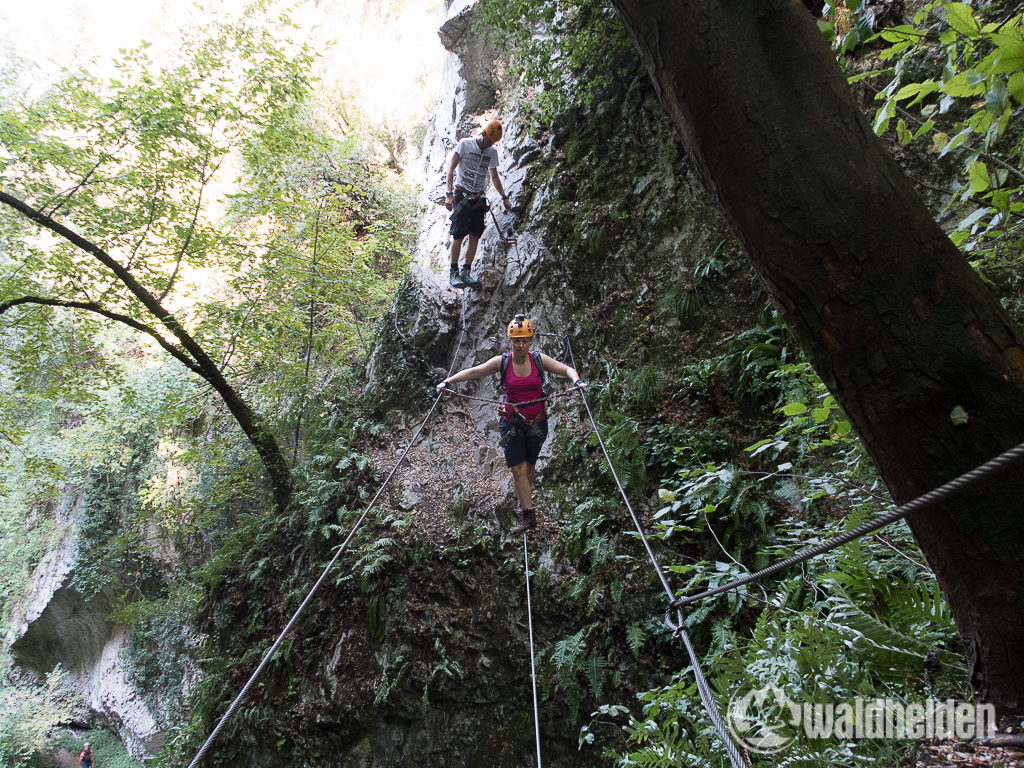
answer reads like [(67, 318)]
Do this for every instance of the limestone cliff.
[(429, 666)]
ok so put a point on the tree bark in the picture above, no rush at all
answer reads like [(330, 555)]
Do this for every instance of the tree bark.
[(892, 317)]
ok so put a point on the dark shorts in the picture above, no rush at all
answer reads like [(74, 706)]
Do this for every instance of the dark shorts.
[(525, 444), (467, 217)]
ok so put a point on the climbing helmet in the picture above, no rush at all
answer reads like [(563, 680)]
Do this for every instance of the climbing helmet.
[(520, 328), (493, 131)]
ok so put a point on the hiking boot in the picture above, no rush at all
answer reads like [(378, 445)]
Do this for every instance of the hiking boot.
[(527, 520), (455, 279), (468, 281)]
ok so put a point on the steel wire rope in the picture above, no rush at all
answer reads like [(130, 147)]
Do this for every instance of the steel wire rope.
[(533, 666), (928, 499), (302, 606), (552, 396), (678, 630)]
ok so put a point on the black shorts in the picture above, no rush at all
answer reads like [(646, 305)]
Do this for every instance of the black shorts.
[(525, 443), (467, 216)]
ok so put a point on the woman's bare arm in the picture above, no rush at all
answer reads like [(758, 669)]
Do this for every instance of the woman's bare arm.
[(555, 366), (489, 368)]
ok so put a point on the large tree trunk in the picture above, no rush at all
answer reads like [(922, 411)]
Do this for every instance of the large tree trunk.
[(895, 321)]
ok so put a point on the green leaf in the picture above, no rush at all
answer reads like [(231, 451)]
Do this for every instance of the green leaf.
[(919, 90), (964, 85), (961, 18), (794, 409), (904, 134), (1009, 56), (883, 117), (903, 32), (956, 141), (925, 127), (979, 177), (997, 98), (1016, 86)]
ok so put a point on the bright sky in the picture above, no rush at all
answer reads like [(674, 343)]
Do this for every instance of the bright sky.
[(386, 50)]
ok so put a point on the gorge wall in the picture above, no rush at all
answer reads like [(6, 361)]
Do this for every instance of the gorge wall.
[(426, 662)]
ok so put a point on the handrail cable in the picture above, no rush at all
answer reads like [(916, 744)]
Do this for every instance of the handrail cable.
[(291, 622), (552, 396), (678, 629), (533, 666), (928, 499)]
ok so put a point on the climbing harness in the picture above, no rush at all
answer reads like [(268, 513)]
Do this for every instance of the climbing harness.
[(533, 666), (298, 611), (678, 630), (934, 496)]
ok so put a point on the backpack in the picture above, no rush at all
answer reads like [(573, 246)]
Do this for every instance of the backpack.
[(506, 356)]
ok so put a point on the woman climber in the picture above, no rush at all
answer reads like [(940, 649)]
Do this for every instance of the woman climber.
[(523, 416)]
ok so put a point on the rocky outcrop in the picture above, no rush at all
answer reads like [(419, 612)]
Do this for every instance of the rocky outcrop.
[(58, 627), (608, 217)]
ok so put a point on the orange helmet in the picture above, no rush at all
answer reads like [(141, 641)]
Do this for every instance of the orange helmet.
[(520, 328), (493, 131)]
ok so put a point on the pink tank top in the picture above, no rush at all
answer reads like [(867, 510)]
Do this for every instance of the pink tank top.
[(521, 389)]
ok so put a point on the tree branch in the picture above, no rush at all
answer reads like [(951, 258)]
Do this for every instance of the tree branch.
[(131, 322), (191, 230), (262, 440)]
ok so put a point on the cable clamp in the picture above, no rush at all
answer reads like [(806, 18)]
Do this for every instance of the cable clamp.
[(677, 627)]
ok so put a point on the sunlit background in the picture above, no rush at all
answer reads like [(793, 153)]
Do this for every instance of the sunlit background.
[(384, 53)]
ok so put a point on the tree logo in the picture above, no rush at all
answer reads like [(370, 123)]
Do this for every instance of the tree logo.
[(763, 720)]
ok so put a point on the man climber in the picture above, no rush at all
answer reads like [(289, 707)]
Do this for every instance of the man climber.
[(474, 160)]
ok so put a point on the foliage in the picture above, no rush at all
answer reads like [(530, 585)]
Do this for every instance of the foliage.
[(690, 300), (127, 164), (160, 650), (955, 88), (861, 622), (28, 715), (618, 429), (563, 53), (24, 539), (867, 620), (107, 750), (340, 226)]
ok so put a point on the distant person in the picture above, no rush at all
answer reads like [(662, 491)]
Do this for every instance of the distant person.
[(522, 429), (474, 160), (85, 757)]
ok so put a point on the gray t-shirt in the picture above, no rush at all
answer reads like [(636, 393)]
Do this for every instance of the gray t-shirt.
[(471, 172)]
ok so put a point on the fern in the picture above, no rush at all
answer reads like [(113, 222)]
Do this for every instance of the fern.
[(890, 647), (566, 654), (596, 666), (636, 636)]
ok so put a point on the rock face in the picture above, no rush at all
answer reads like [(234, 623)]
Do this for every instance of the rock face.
[(57, 626), (601, 198), (606, 215)]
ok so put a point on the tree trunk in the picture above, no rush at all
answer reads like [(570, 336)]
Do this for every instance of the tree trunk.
[(895, 321)]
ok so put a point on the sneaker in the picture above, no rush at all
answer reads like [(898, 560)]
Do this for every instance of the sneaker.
[(468, 281), (456, 279)]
